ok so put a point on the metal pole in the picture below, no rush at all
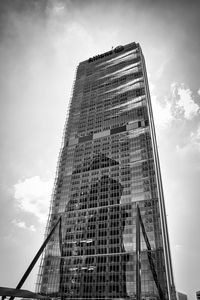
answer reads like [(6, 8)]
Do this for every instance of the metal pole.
[(150, 258), (138, 256), (36, 257)]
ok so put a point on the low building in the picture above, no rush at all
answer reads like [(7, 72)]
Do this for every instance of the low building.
[(181, 296)]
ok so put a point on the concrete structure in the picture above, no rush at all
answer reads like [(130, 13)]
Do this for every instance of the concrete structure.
[(108, 163)]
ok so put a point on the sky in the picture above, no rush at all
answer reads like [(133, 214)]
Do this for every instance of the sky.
[(41, 44)]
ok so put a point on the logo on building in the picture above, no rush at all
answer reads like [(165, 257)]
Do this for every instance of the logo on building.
[(116, 50)]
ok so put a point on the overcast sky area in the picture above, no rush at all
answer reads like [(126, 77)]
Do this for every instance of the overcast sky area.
[(41, 44)]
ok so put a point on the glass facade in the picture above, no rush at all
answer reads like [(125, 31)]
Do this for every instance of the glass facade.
[(108, 164)]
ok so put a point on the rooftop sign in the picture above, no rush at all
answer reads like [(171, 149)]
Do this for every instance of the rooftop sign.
[(116, 50)]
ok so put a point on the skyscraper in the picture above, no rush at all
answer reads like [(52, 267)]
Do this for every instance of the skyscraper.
[(108, 166)]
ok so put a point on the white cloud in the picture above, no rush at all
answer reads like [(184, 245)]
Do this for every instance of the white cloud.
[(162, 113), (198, 92), (192, 146), (185, 104), (151, 87), (33, 195), (22, 224), (161, 69), (195, 139), (178, 105)]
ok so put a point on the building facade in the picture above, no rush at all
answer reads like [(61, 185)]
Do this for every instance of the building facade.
[(198, 295), (181, 296), (108, 164)]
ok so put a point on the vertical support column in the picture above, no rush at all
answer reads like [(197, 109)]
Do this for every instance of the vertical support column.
[(138, 256)]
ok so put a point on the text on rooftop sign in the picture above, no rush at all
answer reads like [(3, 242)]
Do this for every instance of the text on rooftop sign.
[(116, 50)]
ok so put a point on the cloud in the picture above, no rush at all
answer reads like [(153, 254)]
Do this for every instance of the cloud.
[(33, 196), (195, 138), (161, 69), (22, 224), (178, 105), (185, 104), (191, 148), (162, 112)]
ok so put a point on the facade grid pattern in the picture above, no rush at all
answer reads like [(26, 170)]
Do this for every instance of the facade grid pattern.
[(107, 165)]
